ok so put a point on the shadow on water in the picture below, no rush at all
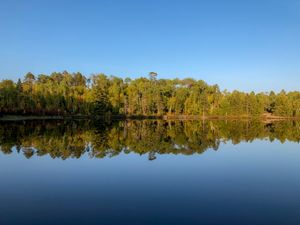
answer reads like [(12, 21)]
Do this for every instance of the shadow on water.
[(73, 139)]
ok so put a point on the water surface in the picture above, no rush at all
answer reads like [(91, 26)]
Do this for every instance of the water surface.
[(150, 172)]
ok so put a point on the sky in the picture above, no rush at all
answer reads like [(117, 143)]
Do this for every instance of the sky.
[(245, 45)]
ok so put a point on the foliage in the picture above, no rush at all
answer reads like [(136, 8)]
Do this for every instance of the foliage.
[(74, 94)]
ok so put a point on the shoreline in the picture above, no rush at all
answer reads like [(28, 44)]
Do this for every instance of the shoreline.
[(141, 117)]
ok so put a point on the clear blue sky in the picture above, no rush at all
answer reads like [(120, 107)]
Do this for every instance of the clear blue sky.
[(246, 45)]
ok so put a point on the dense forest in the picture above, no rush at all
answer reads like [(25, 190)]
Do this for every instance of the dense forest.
[(73, 139), (75, 94)]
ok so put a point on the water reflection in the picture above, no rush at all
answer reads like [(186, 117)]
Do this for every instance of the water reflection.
[(73, 139)]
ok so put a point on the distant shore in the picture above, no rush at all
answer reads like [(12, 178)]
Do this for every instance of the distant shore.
[(58, 117), (265, 118)]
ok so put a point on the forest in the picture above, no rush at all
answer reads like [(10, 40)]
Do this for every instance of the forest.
[(64, 93)]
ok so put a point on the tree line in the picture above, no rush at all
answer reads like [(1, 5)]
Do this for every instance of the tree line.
[(73, 139), (75, 94)]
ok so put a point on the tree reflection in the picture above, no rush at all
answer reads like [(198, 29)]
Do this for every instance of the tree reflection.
[(73, 139)]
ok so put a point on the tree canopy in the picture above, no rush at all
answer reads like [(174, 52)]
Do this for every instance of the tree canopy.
[(64, 93)]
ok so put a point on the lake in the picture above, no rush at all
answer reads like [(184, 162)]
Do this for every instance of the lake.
[(150, 172)]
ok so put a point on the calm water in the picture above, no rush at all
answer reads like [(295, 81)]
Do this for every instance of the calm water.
[(150, 172)]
